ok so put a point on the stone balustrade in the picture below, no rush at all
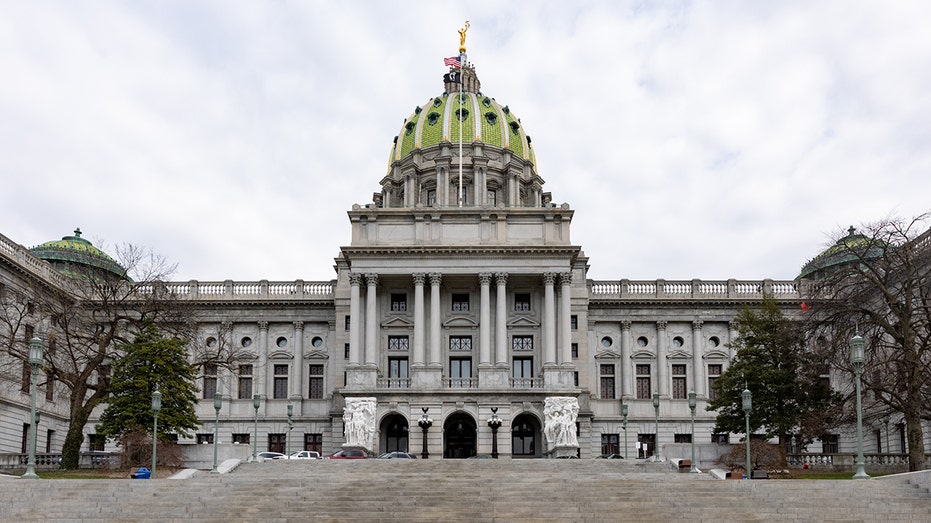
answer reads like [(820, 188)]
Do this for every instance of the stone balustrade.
[(695, 289)]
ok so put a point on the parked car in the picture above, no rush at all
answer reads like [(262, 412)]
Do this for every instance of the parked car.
[(347, 454), (397, 455), (304, 454), (269, 455)]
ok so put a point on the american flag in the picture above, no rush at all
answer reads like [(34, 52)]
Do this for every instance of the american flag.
[(453, 61)]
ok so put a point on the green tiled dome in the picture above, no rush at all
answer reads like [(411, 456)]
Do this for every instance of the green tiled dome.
[(841, 253), (482, 119), (71, 254)]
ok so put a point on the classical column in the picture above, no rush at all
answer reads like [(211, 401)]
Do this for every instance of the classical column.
[(355, 319), (627, 386), (698, 382), (501, 319), (549, 319), (261, 373), (435, 279), (297, 384), (371, 319), (731, 338), (419, 319), (662, 372), (565, 321), (484, 322)]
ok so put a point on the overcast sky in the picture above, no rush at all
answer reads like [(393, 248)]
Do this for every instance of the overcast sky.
[(705, 139)]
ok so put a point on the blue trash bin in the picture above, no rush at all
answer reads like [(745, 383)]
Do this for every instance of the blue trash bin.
[(142, 473)]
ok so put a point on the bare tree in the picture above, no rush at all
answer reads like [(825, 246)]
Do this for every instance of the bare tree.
[(878, 283)]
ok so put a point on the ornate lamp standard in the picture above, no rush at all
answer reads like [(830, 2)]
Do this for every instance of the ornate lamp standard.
[(156, 406), (36, 353), (217, 405), (494, 423), (256, 403), (290, 426), (659, 453), (747, 398), (425, 423), (624, 413), (693, 469), (857, 357)]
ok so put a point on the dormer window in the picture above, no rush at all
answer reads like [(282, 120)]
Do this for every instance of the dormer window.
[(515, 127), (491, 118), (462, 114), (433, 117)]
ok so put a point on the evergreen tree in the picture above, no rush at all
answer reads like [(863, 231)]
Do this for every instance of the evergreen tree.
[(772, 361), (151, 361)]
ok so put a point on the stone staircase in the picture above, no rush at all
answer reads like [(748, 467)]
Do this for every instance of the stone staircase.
[(461, 490)]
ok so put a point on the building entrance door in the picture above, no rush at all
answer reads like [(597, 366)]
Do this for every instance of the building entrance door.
[(459, 436)]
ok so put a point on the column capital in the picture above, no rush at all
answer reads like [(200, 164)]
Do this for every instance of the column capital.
[(419, 278), (355, 279), (501, 278), (436, 278), (696, 325), (565, 278), (371, 279), (549, 278), (263, 325), (298, 325), (625, 325), (732, 325), (661, 325), (484, 278)]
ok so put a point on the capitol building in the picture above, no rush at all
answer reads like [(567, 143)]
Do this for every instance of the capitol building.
[(460, 297)]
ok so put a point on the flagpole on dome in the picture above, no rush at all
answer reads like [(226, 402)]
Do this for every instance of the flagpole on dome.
[(462, 59)]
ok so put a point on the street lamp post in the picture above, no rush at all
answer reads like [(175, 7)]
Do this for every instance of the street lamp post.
[(256, 403), (494, 423), (659, 453), (290, 426), (36, 353), (624, 413), (857, 357), (693, 469), (425, 423), (156, 406), (217, 405), (747, 398)]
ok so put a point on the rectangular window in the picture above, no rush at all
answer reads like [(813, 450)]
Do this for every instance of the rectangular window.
[(714, 372), (610, 444), (398, 302), (205, 439), (522, 372), (314, 442), (721, 438), (492, 197), (346, 323), (346, 351), (241, 438), (49, 388), (460, 372), (682, 438), (829, 443), (646, 445), (277, 443), (315, 377), (96, 442), (575, 350), (824, 376), (210, 381), (398, 373), (644, 388), (280, 390), (431, 197), (574, 322), (398, 343), (607, 381), (245, 382), (575, 378), (49, 434), (522, 302), (679, 383), (460, 302), (522, 343), (460, 343), (26, 382), (25, 438)]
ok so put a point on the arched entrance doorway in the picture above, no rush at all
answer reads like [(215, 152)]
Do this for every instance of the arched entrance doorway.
[(459, 436), (394, 431), (525, 437)]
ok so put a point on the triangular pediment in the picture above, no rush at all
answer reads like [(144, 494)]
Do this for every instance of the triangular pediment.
[(398, 322), (523, 322), (679, 355), (607, 355), (316, 355), (460, 321)]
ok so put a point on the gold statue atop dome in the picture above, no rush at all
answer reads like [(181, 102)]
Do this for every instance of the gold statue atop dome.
[(462, 37)]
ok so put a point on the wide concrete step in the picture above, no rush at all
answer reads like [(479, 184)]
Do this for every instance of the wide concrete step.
[(460, 490)]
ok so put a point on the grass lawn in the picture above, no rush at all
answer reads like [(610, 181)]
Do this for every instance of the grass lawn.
[(163, 472)]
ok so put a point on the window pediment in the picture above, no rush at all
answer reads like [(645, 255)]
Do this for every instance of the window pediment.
[(280, 355), (715, 355), (523, 322), (607, 355), (460, 321), (678, 355), (642, 355), (398, 322), (316, 355)]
